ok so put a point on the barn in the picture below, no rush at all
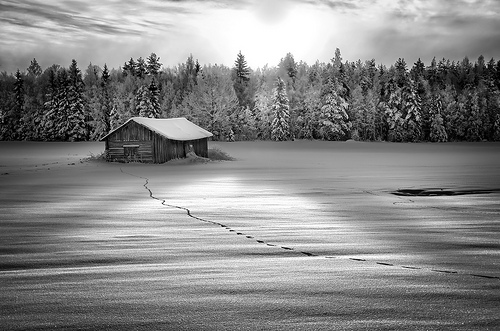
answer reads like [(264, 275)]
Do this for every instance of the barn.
[(153, 140)]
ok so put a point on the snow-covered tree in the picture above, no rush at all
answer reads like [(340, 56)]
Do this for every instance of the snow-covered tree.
[(241, 78), (363, 106), (50, 104), (64, 119), (106, 101), (60, 114), (287, 68), (154, 96), (263, 116), (76, 118), (140, 68), (34, 69), (243, 124), (413, 116), (143, 102), (241, 69), (334, 122), (129, 68), (437, 128), (307, 120), (496, 128), (474, 116), (394, 116), (153, 65), (280, 126), (16, 124), (92, 102), (33, 102), (212, 101)]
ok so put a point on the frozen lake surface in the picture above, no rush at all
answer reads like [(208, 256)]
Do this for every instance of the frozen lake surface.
[(291, 236)]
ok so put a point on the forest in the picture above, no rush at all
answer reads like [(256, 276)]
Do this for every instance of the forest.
[(339, 100)]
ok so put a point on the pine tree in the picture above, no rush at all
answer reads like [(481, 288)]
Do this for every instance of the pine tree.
[(241, 69), (154, 96), (140, 68), (496, 128), (401, 73), (334, 121), (432, 75), (187, 76), (92, 102), (413, 117), (364, 108), (243, 124), (262, 113), (418, 70), (107, 106), (455, 118), (288, 68), (492, 100), (241, 74), (474, 116), (129, 68), (337, 59), (308, 120), (34, 69), (437, 128), (197, 67), (16, 124), (77, 128), (33, 104), (114, 118), (153, 65), (147, 101), (280, 127), (50, 106), (394, 116), (250, 128), (61, 121), (143, 102), (371, 101)]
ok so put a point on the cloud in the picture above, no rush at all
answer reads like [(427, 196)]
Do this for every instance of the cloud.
[(102, 30), (444, 33), (56, 31), (61, 19), (272, 12), (84, 17), (335, 4)]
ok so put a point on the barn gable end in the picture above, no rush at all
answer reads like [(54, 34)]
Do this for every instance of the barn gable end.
[(153, 140)]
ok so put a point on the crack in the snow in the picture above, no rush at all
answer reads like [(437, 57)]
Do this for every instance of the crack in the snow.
[(308, 254)]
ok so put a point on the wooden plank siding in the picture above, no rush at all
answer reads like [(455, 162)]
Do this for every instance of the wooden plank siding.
[(130, 134), (200, 146), (116, 151), (152, 147), (166, 149)]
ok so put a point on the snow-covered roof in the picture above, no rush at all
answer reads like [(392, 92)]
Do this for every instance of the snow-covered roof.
[(171, 128)]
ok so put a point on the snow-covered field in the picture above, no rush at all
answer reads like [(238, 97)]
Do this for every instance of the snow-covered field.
[(291, 236)]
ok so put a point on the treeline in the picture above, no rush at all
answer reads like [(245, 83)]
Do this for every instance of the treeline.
[(338, 100)]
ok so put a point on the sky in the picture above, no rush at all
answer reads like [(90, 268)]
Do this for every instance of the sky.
[(214, 31)]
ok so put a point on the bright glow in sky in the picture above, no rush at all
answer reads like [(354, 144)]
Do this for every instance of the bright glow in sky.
[(214, 31)]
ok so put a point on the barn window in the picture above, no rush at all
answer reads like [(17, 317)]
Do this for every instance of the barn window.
[(131, 151)]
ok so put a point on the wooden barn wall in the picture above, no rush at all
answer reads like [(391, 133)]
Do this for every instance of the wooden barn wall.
[(200, 147), (166, 149), (131, 134)]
